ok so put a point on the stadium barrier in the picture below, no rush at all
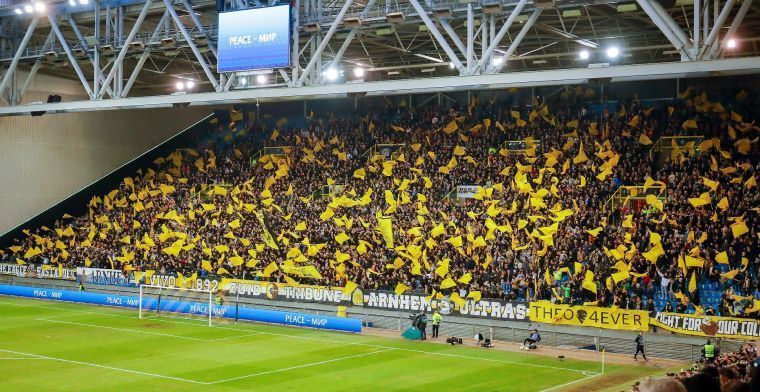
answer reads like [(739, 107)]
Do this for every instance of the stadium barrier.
[(243, 313)]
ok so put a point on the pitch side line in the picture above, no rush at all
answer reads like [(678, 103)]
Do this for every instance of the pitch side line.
[(327, 340), (301, 366), (571, 382), (104, 367)]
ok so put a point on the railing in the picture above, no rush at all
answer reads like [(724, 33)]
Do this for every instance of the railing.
[(624, 194), (278, 151), (387, 151), (686, 143), (518, 146)]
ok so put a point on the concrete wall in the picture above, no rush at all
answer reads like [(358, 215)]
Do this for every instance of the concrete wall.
[(45, 159)]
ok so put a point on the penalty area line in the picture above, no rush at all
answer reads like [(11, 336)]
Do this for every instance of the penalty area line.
[(123, 329), (95, 365)]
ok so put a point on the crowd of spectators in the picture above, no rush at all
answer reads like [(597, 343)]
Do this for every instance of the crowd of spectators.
[(540, 227), (730, 372)]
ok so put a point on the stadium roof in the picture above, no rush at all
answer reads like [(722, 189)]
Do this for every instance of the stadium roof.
[(414, 41)]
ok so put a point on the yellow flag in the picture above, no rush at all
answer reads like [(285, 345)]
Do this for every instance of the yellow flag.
[(644, 139), (738, 229), (385, 228), (710, 183), (401, 289), (270, 269), (722, 258), (581, 157), (652, 200), (447, 283), (693, 282)]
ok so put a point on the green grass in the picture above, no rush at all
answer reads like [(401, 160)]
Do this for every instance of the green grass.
[(55, 346)]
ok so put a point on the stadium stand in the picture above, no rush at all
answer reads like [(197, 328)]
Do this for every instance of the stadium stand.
[(730, 372), (639, 205)]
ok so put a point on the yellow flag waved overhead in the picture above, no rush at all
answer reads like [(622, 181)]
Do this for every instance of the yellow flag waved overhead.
[(739, 228), (448, 283), (644, 139), (401, 289)]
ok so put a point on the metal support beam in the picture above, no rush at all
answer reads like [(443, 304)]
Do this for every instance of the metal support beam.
[(295, 56), (125, 48), (734, 26), (453, 35), (571, 76), (658, 17), (719, 22), (670, 22), (325, 40), (500, 35), (72, 59), (83, 43), (350, 37), (695, 36), (29, 78), (19, 51), (518, 39), (437, 35), (191, 43), (198, 24), (470, 39), (230, 80), (96, 54), (284, 75), (144, 56)]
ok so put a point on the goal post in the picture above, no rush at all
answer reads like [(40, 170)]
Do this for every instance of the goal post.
[(157, 300)]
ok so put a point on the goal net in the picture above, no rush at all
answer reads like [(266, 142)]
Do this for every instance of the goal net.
[(159, 301)]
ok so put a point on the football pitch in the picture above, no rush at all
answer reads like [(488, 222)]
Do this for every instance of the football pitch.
[(57, 346)]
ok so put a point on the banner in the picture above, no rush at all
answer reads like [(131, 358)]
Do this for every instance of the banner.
[(467, 191), (707, 326), (105, 276), (486, 308), (38, 271), (285, 291), (266, 316), (589, 316), (167, 280)]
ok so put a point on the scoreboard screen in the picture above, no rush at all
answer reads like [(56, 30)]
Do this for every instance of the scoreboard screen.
[(254, 39)]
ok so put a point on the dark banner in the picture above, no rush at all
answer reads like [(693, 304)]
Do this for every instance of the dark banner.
[(38, 271), (285, 291), (104, 276), (486, 308)]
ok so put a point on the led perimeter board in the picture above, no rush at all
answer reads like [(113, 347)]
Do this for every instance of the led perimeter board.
[(254, 39)]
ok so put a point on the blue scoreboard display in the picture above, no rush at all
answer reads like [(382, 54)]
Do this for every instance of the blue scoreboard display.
[(254, 39)]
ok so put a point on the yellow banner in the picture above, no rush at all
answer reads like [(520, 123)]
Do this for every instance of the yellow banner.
[(589, 316), (385, 227), (708, 326)]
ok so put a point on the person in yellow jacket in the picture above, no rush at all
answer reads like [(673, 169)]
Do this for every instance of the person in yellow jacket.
[(436, 323)]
